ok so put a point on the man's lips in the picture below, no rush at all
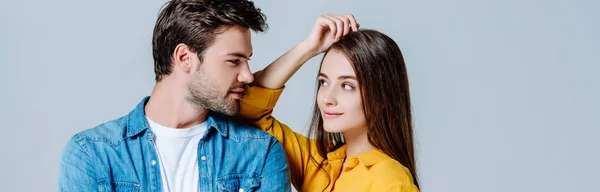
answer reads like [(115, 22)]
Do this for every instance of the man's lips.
[(237, 93), (237, 90)]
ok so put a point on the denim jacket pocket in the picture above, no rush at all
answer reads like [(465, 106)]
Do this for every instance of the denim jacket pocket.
[(116, 186), (238, 183)]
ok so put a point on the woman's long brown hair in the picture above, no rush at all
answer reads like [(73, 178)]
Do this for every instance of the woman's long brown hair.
[(381, 74)]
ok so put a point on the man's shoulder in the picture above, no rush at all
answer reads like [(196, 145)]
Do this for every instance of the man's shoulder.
[(111, 132), (241, 130)]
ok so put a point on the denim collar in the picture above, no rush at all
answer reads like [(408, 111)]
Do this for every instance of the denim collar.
[(137, 122)]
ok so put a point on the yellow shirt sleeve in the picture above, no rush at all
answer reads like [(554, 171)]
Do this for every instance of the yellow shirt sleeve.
[(402, 187), (256, 108)]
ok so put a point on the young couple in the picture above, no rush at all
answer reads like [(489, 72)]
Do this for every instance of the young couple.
[(183, 138)]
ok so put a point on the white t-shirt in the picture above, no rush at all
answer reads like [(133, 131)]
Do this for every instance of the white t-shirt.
[(178, 155)]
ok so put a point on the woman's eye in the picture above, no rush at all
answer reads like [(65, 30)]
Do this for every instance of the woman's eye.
[(347, 87), (323, 83)]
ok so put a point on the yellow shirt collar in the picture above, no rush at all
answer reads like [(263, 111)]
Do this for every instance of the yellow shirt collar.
[(367, 158)]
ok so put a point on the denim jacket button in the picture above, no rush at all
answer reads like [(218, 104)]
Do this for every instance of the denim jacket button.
[(241, 190), (153, 162), (203, 158)]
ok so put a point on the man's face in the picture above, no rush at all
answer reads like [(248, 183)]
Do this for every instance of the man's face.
[(218, 81)]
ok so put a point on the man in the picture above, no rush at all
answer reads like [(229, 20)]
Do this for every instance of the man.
[(181, 138)]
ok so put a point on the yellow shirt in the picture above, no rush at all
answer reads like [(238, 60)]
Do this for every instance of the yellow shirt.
[(369, 171)]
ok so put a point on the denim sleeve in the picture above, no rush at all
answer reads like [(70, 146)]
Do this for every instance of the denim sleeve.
[(275, 174), (76, 168)]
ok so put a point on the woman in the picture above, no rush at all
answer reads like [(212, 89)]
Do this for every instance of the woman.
[(361, 126)]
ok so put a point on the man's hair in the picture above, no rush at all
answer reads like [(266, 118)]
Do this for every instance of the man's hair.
[(195, 24)]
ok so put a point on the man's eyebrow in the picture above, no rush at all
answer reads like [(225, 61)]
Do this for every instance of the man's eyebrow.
[(238, 54)]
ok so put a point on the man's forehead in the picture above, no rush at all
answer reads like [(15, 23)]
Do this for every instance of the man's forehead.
[(233, 42)]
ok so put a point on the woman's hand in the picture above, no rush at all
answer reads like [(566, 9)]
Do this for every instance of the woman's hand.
[(327, 30)]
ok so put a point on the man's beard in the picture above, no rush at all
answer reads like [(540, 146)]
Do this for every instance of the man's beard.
[(204, 93)]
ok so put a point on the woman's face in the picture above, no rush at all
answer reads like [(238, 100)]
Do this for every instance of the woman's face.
[(339, 95)]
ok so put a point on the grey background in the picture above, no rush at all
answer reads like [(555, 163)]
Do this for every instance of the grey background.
[(504, 92)]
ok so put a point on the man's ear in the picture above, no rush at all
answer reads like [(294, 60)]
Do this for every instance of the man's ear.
[(182, 57)]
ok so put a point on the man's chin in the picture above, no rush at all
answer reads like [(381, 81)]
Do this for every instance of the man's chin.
[(235, 109), (232, 110)]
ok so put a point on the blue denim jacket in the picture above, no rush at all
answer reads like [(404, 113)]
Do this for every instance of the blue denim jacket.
[(119, 156)]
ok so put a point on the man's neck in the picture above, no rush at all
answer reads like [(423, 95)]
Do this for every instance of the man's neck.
[(168, 107)]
